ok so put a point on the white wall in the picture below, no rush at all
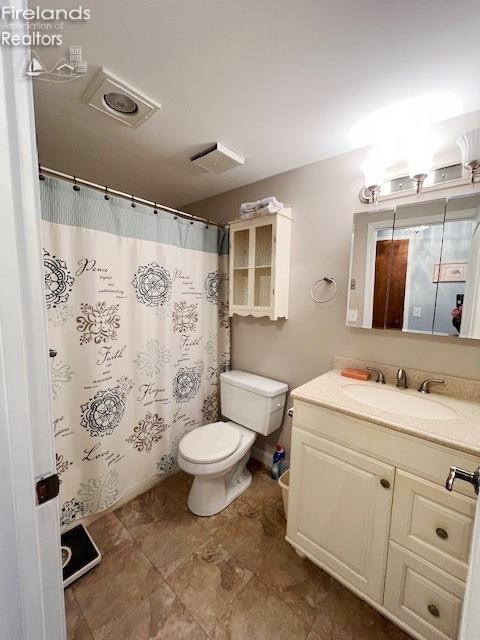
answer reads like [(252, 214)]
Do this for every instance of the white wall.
[(323, 197)]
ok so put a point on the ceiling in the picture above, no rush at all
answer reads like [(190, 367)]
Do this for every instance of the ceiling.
[(280, 82)]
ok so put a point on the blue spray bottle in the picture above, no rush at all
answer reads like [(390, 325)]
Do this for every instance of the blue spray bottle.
[(278, 462)]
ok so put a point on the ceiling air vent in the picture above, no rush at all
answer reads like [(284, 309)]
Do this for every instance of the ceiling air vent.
[(117, 100), (218, 159)]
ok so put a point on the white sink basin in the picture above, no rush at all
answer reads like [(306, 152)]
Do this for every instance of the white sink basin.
[(400, 402)]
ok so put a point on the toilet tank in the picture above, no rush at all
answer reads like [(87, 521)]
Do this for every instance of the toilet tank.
[(252, 401)]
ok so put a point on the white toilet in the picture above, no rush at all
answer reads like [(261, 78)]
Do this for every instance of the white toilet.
[(217, 454)]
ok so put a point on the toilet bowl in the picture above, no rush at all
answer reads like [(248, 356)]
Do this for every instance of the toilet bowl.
[(217, 453), (218, 465)]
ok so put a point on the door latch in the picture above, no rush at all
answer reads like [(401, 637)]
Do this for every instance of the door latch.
[(461, 474), (48, 488)]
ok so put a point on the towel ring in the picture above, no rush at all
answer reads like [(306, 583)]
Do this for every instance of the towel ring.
[(328, 280)]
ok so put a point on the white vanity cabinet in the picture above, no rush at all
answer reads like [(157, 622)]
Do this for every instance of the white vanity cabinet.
[(260, 265), (368, 504)]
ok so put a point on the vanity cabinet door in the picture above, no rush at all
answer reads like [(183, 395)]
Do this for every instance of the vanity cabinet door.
[(339, 510)]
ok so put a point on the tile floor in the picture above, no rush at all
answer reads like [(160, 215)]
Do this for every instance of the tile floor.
[(169, 575)]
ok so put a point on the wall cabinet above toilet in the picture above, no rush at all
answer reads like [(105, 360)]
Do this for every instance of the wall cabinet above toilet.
[(260, 265)]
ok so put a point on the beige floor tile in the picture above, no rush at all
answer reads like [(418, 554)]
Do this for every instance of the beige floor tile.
[(139, 514), (108, 533), (256, 614), (298, 583), (160, 616), (344, 616), (262, 489), (265, 495), (172, 539), (77, 628), (208, 581), (214, 523), (257, 468), (121, 581), (275, 512), (250, 536), (177, 487)]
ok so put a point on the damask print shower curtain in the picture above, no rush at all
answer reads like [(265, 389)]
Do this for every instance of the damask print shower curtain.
[(138, 315)]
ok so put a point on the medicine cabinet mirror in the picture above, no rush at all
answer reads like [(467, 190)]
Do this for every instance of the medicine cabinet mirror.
[(416, 268)]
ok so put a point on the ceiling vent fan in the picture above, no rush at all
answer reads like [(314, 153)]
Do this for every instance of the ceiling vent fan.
[(218, 159)]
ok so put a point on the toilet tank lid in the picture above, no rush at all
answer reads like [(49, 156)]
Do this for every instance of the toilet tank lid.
[(251, 382)]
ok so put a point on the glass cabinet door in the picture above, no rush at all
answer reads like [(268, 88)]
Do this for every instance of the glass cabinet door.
[(241, 258), (262, 287)]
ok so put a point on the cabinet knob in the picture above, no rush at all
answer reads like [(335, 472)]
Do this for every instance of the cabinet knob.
[(433, 610), (385, 483), (441, 533)]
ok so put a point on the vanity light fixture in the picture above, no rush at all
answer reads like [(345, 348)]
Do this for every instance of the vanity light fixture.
[(469, 144)]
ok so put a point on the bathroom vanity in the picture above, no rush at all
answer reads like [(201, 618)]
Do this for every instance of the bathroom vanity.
[(368, 501)]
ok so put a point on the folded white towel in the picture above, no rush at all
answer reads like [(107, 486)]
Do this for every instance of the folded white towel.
[(263, 207), (248, 206), (269, 200), (246, 215), (267, 210)]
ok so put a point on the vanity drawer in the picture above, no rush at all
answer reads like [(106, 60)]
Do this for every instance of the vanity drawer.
[(427, 599), (433, 523)]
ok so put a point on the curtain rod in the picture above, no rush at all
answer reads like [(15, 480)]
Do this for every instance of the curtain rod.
[(133, 199)]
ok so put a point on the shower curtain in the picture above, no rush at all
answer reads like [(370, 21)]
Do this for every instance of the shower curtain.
[(138, 315)]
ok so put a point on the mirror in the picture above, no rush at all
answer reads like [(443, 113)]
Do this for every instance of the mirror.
[(372, 233), (416, 268), (458, 273), (417, 247)]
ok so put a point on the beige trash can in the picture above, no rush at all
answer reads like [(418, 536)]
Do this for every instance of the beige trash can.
[(283, 481)]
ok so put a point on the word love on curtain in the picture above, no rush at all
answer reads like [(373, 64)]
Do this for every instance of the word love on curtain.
[(138, 315)]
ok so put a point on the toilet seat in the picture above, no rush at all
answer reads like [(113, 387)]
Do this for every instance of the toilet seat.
[(211, 443)]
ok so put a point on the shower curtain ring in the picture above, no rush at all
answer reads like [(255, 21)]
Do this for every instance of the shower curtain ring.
[(133, 201), (75, 185), (106, 196), (155, 211)]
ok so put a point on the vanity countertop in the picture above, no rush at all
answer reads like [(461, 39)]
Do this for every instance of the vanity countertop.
[(461, 431)]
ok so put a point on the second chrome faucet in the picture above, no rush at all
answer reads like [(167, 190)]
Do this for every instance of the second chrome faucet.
[(402, 379)]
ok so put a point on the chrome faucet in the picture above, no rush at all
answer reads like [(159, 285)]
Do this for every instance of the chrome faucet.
[(380, 376), (402, 379), (425, 386)]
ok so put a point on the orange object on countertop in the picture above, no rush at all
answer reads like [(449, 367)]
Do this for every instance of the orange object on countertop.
[(356, 374)]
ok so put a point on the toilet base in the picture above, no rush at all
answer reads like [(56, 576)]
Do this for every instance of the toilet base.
[(211, 494)]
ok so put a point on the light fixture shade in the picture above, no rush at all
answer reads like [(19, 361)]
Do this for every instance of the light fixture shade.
[(469, 144), (421, 149), (374, 169)]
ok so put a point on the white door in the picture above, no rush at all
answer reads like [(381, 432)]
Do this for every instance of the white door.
[(335, 484), (31, 596)]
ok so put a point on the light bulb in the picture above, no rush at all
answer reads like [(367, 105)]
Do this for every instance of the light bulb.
[(469, 144), (420, 151), (374, 169)]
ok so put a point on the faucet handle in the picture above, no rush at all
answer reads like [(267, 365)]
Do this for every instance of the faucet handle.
[(380, 376), (425, 386)]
